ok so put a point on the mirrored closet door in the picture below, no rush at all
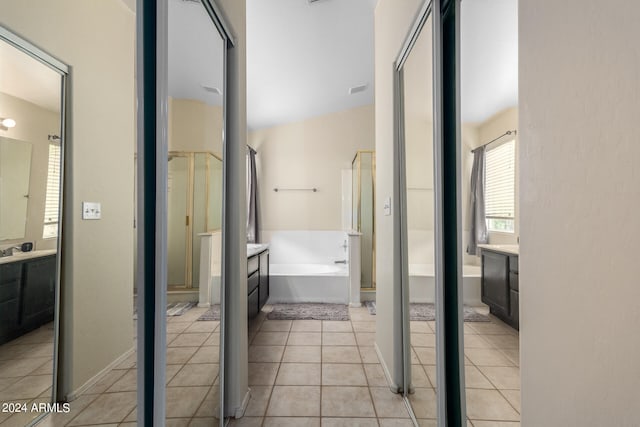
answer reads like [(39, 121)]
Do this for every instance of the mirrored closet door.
[(31, 154)]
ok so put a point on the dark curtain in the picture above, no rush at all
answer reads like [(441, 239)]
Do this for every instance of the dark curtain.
[(252, 198), (478, 227)]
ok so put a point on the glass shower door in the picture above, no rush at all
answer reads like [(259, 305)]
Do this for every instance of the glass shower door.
[(178, 220), (363, 219)]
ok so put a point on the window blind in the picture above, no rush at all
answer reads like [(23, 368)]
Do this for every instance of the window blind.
[(500, 181), (52, 200)]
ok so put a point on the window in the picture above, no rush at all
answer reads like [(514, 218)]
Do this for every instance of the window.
[(500, 187), (52, 201)]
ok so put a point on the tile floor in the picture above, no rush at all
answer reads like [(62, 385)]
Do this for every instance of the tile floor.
[(301, 373)]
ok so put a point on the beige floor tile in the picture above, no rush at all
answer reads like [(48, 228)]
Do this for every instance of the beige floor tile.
[(6, 382), (171, 372), (266, 353), (426, 355), (203, 326), (213, 340), (340, 354), (270, 338), (504, 342), (246, 422), (388, 404), (423, 340), (304, 338), (336, 326), (183, 402), (338, 338), (291, 422), (302, 354), (346, 402), (431, 371), (107, 408), (210, 406), (276, 326), (507, 378), (298, 374), (129, 362), (21, 367), (489, 405), (513, 397), (206, 354), (180, 355), (190, 340), (473, 378), (368, 354), (343, 374), (171, 337), (492, 328), (46, 369), (262, 373), (366, 338), (477, 423), (414, 356), (420, 327), (395, 422), (106, 381), (28, 387), (177, 422), (61, 419), (349, 422), (361, 316), (306, 326), (487, 357), (476, 341), (177, 327), (431, 423), (204, 422), (294, 401), (513, 356), (258, 401), (364, 326), (419, 377), (128, 382), (199, 374), (424, 403), (375, 375)]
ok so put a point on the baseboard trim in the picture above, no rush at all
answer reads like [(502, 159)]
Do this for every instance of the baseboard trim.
[(392, 385), (97, 377)]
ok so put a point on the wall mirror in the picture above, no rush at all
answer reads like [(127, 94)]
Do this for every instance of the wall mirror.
[(31, 147)]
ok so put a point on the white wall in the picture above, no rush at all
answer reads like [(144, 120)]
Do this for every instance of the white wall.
[(97, 40), (393, 20), (194, 126), (579, 294), (307, 154), (34, 124)]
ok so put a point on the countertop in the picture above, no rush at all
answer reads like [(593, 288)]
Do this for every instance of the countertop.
[(21, 256), (506, 249), (256, 248)]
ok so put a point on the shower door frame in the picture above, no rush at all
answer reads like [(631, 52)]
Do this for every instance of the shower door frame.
[(358, 226)]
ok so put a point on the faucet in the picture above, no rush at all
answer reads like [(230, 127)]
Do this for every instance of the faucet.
[(341, 261)]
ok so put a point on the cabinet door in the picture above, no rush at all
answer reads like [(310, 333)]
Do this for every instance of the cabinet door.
[(252, 304), (38, 292), (264, 278), (515, 309), (495, 282)]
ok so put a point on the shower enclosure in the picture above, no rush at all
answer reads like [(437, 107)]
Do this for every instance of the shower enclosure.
[(194, 201), (363, 171)]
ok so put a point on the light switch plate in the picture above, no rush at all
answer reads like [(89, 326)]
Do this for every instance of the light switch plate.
[(91, 210), (387, 206)]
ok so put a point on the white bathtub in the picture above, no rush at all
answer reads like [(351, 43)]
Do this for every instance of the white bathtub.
[(422, 284), (319, 283)]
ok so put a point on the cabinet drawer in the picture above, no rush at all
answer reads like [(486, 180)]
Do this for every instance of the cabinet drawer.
[(10, 272), (9, 289), (253, 264), (253, 281), (513, 263), (252, 304)]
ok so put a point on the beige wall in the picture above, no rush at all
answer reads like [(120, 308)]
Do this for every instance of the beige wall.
[(34, 125), (579, 151), (97, 40), (194, 126), (308, 154), (393, 20)]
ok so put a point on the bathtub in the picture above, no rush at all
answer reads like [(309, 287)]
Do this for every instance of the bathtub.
[(302, 267), (422, 284), (319, 283)]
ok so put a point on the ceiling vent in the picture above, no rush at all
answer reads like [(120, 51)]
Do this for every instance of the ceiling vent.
[(358, 89), (314, 1), (210, 89)]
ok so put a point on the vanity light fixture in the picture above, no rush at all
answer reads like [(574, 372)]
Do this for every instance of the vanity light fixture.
[(7, 123)]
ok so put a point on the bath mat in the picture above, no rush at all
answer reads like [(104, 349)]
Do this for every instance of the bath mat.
[(427, 312), (173, 309), (212, 314), (309, 312)]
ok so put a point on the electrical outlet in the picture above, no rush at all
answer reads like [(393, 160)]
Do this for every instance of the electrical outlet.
[(387, 206), (91, 210)]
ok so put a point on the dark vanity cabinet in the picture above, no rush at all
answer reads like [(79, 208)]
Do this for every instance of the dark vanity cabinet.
[(500, 285), (257, 282), (27, 295)]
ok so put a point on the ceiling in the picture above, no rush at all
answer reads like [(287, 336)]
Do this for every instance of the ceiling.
[(489, 58), (302, 58), (195, 53), (23, 77)]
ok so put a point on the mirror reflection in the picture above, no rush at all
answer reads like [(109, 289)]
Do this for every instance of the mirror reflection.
[(30, 165)]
